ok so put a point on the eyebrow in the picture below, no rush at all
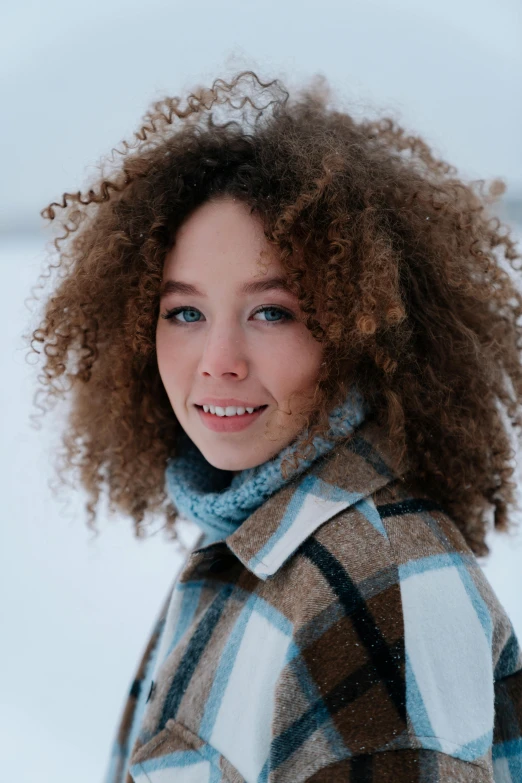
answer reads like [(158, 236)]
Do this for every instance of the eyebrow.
[(253, 287)]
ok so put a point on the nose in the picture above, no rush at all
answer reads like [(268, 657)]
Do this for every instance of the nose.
[(224, 352)]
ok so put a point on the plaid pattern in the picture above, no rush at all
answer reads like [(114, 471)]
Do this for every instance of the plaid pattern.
[(370, 649)]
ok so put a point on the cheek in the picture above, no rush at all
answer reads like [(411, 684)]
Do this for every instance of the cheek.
[(300, 356), (173, 358)]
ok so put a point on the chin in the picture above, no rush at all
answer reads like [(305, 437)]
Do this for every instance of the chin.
[(234, 462), (230, 464)]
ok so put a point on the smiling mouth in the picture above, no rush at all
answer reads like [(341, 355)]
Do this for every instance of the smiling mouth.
[(234, 415)]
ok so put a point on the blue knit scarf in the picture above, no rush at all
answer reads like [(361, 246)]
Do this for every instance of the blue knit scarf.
[(204, 494)]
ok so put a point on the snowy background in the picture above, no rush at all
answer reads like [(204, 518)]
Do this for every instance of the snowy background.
[(74, 80)]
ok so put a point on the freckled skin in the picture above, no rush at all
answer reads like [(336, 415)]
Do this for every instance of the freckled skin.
[(220, 346)]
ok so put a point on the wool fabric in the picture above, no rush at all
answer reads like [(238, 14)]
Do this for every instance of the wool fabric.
[(207, 496)]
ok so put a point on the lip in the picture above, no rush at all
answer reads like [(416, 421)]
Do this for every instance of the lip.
[(228, 401), (229, 423)]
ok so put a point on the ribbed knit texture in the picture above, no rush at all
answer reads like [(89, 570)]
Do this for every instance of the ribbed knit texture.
[(205, 494)]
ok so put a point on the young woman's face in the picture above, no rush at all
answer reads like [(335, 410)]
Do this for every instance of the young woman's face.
[(227, 342)]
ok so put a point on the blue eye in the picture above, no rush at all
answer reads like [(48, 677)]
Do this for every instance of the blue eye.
[(176, 310), (269, 309), (284, 315)]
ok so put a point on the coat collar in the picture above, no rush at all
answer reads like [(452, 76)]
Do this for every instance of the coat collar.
[(346, 475)]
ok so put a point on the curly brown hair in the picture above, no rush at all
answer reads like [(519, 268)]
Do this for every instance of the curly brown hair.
[(392, 257)]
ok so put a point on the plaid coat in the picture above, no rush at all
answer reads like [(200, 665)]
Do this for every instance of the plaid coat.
[(344, 632)]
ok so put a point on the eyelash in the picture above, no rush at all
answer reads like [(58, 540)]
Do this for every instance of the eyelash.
[(169, 315)]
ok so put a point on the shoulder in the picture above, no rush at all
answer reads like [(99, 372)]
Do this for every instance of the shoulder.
[(404, 552), (398, 633)]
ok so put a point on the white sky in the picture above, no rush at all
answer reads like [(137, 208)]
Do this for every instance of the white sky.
[(74, 80)]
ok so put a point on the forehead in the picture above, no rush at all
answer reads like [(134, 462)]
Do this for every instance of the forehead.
[(222, 236)]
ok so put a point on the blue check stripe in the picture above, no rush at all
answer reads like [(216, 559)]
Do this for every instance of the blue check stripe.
[(309, 486), (355, 607), (509, 658), (180, 760), (416, 709), (224, 669), (453, 560), (367, 508), (192, 655), (191, 597)]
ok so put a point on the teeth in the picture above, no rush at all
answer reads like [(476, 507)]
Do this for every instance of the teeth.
[(230, 410)]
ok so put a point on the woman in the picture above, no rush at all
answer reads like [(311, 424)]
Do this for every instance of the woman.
[(293, 329)]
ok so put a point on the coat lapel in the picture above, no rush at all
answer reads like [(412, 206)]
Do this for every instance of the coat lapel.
[(345, 476)]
